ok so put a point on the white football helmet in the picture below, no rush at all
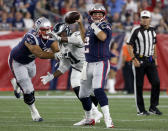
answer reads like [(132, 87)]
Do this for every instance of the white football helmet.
[(43, 27), (97, 8)]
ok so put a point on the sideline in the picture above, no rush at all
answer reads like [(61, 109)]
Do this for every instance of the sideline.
[(74, 97)]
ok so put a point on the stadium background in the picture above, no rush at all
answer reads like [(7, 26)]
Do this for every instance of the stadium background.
[(122, 14)]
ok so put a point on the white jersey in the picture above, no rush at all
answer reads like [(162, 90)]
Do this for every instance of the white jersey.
[(75, 46), (76, 58)]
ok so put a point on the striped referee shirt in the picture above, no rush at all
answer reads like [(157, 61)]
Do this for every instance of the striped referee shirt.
[(142, 41)]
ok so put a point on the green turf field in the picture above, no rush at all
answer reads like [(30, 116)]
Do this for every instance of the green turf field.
[(61, 113)]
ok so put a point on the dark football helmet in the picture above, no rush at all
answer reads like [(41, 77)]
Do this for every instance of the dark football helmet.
[(62, 27)]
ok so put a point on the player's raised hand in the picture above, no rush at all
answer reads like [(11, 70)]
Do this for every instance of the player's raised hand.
[(79, 20), (47, 78), (81, 27)]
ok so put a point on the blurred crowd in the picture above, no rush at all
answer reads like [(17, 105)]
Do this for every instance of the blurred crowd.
[(122, 14)]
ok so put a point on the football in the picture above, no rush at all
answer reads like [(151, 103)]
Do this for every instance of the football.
[(71, 17)]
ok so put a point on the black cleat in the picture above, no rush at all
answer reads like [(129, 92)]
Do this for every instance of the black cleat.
[(41, 119), (17, 94), (143, 113), (155, 111)]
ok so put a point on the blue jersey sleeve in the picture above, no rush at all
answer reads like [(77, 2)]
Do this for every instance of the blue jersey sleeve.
[(106, 28), (31, 39)]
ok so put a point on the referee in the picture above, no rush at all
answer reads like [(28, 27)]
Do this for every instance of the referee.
[(142, 49)]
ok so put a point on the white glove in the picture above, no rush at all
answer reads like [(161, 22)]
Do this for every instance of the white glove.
[(47, 78), (95, 28), (58, 55), (55, 36)]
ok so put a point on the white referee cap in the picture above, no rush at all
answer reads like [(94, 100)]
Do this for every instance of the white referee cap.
[(145, 13)]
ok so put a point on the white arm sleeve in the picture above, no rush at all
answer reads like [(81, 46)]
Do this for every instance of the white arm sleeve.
[(64, 65), (76, 39)]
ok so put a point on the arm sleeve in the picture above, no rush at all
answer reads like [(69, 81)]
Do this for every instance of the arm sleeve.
[(106, 28), (31, 39)]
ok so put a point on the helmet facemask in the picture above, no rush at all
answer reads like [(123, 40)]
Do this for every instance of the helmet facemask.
[(44, 32), (43, 27), (97, 16), (97, 13)]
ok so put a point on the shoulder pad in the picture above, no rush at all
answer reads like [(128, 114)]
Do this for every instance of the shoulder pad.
[(104, 25), (31, 39)]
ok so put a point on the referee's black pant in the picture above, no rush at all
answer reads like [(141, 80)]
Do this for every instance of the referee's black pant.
[(128, 77), (149, 68)]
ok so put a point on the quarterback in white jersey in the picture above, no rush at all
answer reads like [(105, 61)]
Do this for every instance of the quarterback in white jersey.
[(72, 47)]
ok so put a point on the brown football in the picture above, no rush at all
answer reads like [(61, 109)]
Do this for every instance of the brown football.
[(71, 17)]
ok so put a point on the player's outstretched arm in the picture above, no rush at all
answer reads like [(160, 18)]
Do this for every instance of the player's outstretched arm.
[(55, 47), (75, 38), (81, 28), (101, 35), (58, 38), (38, 52), (49, 77)]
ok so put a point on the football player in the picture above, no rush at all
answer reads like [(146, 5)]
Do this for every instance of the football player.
[(71, 45), (35, 43), (97, 66)]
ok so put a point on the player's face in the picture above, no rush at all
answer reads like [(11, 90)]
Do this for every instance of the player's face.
[(97, 16), (145, 21), (63, 34), (44, 32)]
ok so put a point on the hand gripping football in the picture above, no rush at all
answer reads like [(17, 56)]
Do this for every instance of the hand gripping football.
[(71, 17)]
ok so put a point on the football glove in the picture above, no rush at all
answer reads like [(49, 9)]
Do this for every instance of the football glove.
[(47, 78), (55, 36), (58, 55)]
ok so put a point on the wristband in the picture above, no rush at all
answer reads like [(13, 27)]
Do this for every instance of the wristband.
[(95, 28)]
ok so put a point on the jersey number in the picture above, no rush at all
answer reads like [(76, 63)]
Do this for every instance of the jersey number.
[(86, 44), (72, 59)]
